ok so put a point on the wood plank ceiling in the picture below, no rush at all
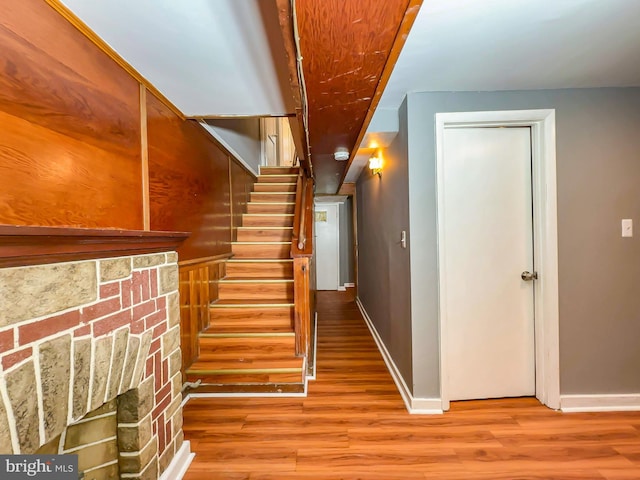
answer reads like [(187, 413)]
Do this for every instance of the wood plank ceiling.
[(348, 49)]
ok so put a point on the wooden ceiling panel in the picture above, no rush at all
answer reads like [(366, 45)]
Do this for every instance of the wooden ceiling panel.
[(345, 45)]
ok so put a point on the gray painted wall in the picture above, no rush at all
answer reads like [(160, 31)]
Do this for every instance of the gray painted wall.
[(598, 175), (241, 136), (383, 265), (346, 242)]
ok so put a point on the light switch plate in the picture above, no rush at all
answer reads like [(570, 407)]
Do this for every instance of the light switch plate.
[(627, 227)]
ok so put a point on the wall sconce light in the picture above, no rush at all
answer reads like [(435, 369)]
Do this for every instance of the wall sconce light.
[(375, 164)]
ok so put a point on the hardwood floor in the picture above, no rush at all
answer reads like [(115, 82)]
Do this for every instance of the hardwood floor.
[(353, 425)]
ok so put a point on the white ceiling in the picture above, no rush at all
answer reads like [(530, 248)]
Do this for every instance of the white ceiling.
[(491, 45), (485, 45), (209, 57)]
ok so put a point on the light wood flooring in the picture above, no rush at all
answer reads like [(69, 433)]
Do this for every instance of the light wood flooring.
[(353, 425)]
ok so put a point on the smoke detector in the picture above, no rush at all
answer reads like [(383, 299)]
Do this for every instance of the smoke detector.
[(341, 154)]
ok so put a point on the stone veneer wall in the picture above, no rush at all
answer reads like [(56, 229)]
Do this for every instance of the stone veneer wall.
[(74, 336)]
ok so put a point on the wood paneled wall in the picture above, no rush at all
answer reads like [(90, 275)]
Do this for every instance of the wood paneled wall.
[(76, 130), (72, 143), (198, 288), (241, 186), (188, 182), (70, 126)]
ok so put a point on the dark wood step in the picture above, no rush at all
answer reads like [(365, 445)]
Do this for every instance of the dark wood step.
[(245, 345), (269, 197), (261, 249), (264, 268), (264, 234), (268, 369), (268, 170), (267, 220), (277, 290), (275, 187), (250, 316), (261, 207), (286, 178), (240, 388)]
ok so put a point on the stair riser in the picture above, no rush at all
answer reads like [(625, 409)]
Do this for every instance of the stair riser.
[(268, 187), (279, 170), (247, 378), (257, 317), (250, 291), (260, 270), (278, 388), (281, 235), (277, 179), (262, 250), (269, 208), (229, 348), (272, 197), (260, 221)]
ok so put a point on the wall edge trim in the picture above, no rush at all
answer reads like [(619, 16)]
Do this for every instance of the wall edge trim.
[(622, 402), (180, 463), (423, 406)]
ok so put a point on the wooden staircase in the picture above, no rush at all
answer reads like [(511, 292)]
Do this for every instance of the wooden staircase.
[(250, 345)]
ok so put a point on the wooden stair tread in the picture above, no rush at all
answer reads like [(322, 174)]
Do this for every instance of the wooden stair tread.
[(267, 214), (249, 303), (266, 227), (269, 326), (247, 335), (260, 364), (255, 280), (259, 260), (261, 242)]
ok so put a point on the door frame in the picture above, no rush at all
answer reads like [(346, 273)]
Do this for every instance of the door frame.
[(545, 245), (337, 205)]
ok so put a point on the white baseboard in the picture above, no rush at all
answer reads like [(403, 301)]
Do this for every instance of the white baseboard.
[(342, 288), (180, 463), (349, 285), (625, 402), (414, 405)]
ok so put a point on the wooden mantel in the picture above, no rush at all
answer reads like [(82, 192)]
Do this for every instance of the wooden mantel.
[(23, 245)]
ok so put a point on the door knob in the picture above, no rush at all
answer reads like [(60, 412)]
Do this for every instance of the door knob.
[(528, 276)]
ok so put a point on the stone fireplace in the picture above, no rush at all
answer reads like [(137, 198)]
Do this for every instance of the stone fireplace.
[(93, 346)]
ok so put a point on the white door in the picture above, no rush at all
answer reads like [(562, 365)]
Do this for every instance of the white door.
[(487, 237), (327, 247)]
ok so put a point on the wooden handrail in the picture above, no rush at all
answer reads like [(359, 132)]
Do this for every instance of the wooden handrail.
[(302, 244), (302, 253), (296, 214), (302, 234)]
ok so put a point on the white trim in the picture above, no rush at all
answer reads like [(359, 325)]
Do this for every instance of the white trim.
[(210, 130), (625, 402), (543, 149), (180, 463), (342, 288), (315, 350), (414, 405), (349, 285)]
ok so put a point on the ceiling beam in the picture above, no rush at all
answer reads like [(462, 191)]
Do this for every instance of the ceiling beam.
[(399, 41)]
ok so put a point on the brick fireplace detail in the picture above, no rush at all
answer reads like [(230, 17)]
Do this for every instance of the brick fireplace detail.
[(76, 336)]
